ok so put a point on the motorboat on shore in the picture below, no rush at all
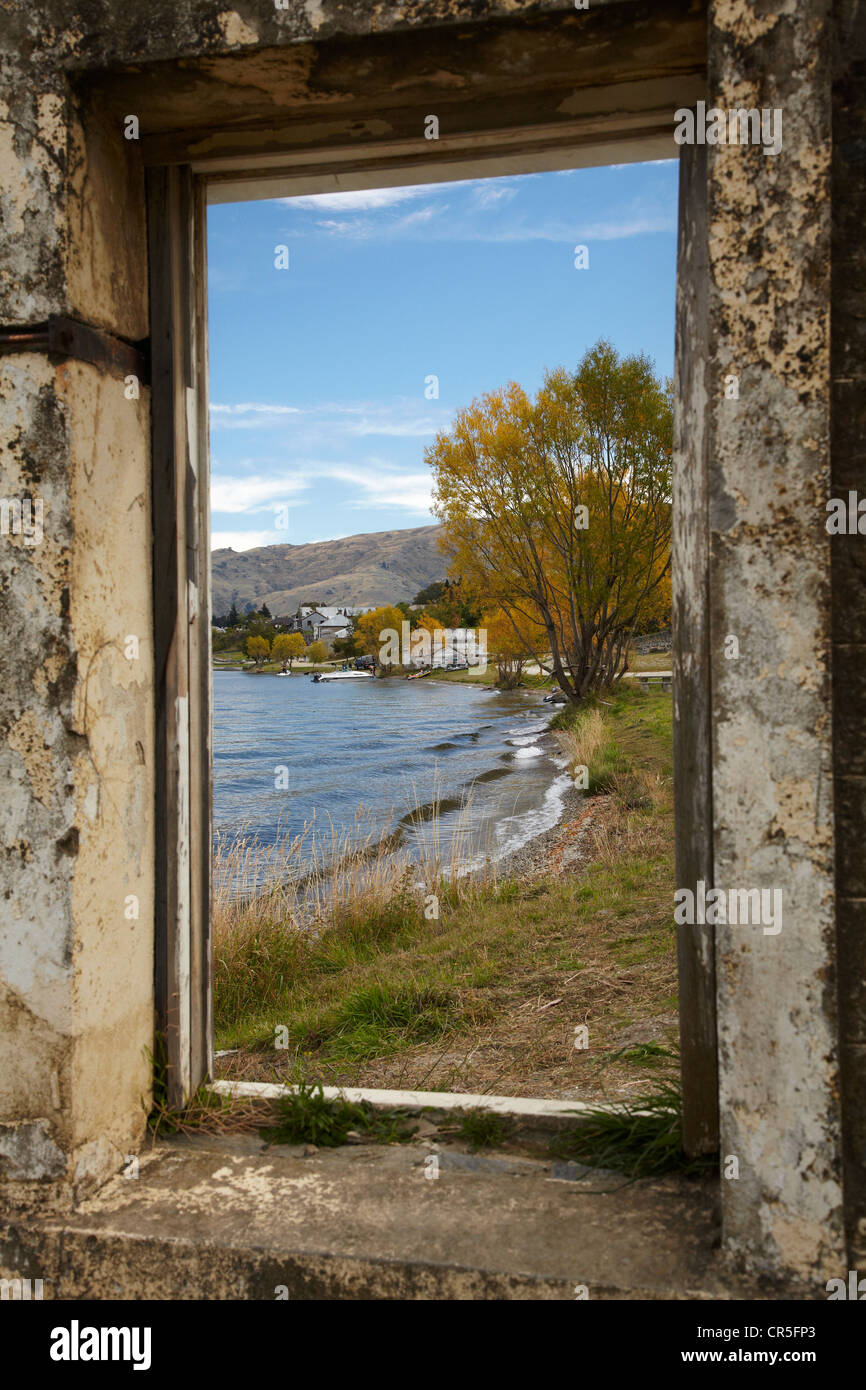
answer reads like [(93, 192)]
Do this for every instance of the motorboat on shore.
[(343, 676)]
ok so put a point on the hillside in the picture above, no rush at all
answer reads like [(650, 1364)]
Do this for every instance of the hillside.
[(360, 571)]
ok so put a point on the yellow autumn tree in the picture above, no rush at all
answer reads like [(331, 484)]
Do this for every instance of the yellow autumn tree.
[(558, 510), (317, 652), (512, 640), (287, 646), (378, 633), (258, 648)]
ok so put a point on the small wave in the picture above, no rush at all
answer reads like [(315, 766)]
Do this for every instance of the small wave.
[(440, 747), (532, 752), (430, 810), (515, 831), (492, 776)]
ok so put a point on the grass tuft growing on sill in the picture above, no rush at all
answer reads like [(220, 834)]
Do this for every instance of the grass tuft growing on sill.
[(642, 1140), (311, 1117)]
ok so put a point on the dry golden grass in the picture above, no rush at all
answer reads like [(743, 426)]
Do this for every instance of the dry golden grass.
[(581, 743), (317, 881)]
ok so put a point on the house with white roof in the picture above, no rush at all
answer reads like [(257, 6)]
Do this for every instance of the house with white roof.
[(324, 624)]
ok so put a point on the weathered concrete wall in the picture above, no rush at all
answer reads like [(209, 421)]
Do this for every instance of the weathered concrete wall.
[(848, 556), (76, 737), (769, 473), (76, 755)]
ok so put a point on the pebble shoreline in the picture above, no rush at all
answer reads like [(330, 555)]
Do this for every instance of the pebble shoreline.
[(531, 860)]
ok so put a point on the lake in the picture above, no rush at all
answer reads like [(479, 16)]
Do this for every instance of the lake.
[(290, 752)]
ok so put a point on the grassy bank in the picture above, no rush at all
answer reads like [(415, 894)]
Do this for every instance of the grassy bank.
[(487, 995)]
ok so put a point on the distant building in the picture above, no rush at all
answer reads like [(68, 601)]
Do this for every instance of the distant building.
[(326, 624), (445, 647)]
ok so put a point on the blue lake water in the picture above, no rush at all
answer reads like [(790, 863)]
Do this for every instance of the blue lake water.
[(392, 747)]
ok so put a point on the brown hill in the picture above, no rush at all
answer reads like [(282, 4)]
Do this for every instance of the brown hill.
[(359, 571)]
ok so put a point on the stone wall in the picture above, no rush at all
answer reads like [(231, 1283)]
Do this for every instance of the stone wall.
[(769, 475), (76, 722), (654, 642)]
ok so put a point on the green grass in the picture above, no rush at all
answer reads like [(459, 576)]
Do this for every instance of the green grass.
[(489, 677), (650, 661), (483, 1129), (236, 657), (635, 740), (309, 1117), (651, 1054), (642, 1140), (382, 979), (380, 1017)]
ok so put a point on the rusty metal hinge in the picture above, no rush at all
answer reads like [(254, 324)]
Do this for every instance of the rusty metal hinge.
[(67, 337)]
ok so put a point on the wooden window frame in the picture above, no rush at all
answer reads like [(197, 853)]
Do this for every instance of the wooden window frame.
[(180, 184)]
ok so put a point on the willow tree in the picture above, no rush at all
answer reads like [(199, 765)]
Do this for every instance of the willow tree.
[(512, 641), (558, 510)]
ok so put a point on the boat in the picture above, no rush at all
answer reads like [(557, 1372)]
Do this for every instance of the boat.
[(343, 676), (416, 675)]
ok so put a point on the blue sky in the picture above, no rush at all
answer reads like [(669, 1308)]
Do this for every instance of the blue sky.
[(318, 372)]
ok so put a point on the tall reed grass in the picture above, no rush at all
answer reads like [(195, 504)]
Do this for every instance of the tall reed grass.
[(588, 742), (328, 899)]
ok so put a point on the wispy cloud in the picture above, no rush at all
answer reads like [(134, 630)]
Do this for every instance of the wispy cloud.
[(488, 195), (636, 223), (246, 493), (254, 407), (402, 419), (358, 199), (423, 427), (492, 216), (411, 492), (246, 540), (376, 483)]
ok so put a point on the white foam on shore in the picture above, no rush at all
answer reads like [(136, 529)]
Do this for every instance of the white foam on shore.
[(515, 831), (518, 829)]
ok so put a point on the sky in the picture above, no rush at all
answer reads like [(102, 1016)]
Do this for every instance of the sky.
[(321, 398)]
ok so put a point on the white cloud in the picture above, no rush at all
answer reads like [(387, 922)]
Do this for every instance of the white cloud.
[(638, 224), (358, 200), (375, 483), (254, 408), (354, 226), (423, 428), (470, 221), (249, 415), (246, 540), (491, 195), (431, 224), (422, 215), (403, 418), (411, 492), (254, 494), (362, 228)]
